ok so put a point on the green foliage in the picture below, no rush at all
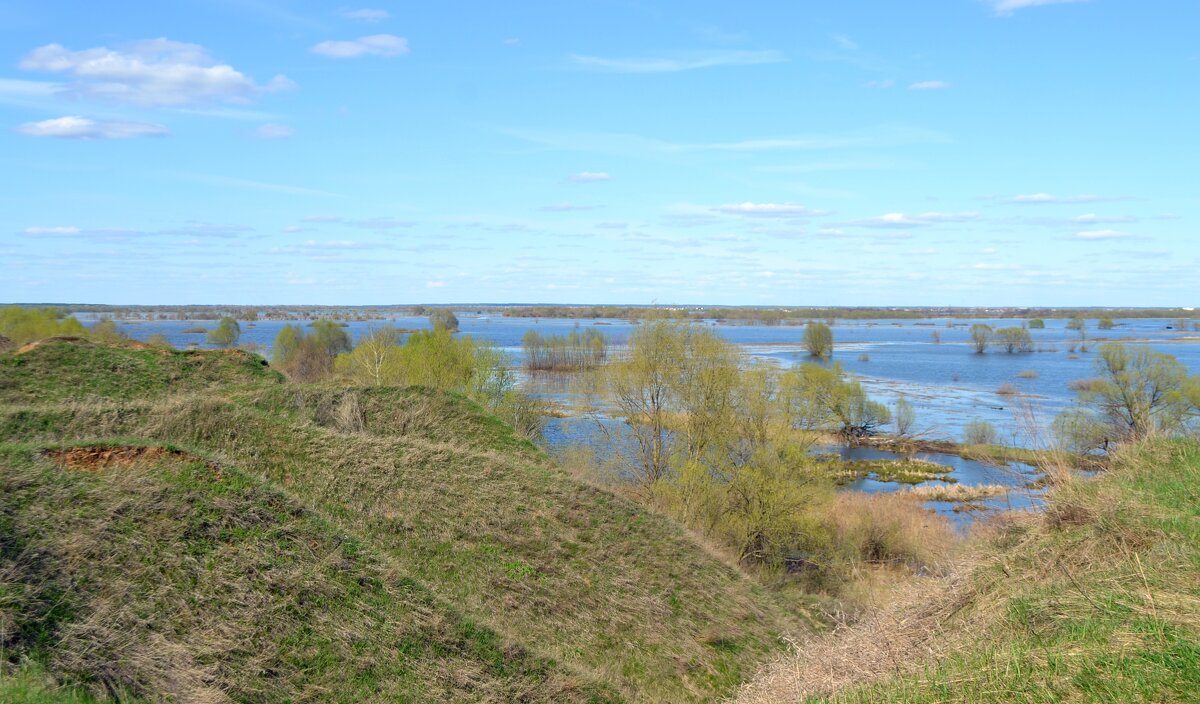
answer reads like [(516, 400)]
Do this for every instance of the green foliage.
[(226, 333), (1106, 324), (444, 318), (1014, 340), (981, 337), (308, 357), (1138, 392), (106, 331), (980, 432), (905, 416), (1077, 323), (818, 340), (22, 325), (1037, 324), (439, 360), (574, 351), (815, 397)]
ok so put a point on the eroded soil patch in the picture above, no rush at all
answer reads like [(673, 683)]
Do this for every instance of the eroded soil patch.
[(97, 458)]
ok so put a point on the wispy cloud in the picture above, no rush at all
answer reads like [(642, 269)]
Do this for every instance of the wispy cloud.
[(249, 184), (378, 223), (567, 207), (150, 73), (844, 42), (366, 15), (1007, 7), (608, 142), (273, 130), (1101, 235), (929, 85), (1046, 198), (676, 62), (769, 210), (384, 45), (589, 177), (76, 127), (192, 229), (900, 220)]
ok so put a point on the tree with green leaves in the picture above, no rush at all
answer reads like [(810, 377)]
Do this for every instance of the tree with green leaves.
[(444, 317), (226, 333), (1106, 324), (981, 337), (20, 324), (1014, 340), (818, 340), (1037, 324), (1137, 393)]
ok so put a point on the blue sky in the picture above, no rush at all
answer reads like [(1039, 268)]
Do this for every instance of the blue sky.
[(950, 152)]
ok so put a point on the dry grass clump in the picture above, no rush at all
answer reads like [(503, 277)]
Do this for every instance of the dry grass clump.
[(1007, 390), (1027, 374), (956, 492), (892, 528)]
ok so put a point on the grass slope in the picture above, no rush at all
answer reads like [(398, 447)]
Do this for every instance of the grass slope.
[(167, 576), (450, 497), (1097, 600), (62, 369)]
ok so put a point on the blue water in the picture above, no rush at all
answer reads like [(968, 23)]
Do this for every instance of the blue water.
[(947, 383)]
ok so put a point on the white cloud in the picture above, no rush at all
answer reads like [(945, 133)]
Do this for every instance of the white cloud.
[(1101, 235), (76, 127), (680, 62), (769, 210), (887, 83), (1007, 7), (435, 284), (900, 220), (845, 42), (273, 130), (375, 45), (512, 41), (366, 15), (53, 231), (153, 73), (567, 207), (928, 85), (589, 177), (1093, 219), (1046, 198)]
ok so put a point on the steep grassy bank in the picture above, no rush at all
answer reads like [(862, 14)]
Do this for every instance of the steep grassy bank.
[(1096, 600), (613, 599)]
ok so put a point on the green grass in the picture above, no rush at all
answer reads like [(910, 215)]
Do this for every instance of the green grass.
[(62, 370), (1098, 601), (168, 578), (612, 598)]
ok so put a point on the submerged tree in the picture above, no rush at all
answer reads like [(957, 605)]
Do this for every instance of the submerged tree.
[(444, 317), (1015, 340), (981, 337), (1037, 324), (905, 416), (1138, 392), (226, 333), (818, 340)]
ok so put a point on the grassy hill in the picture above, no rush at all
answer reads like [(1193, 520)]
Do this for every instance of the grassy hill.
[(518, 582), (1096, 600)]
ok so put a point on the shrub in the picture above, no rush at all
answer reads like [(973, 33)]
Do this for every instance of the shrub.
[(226, 333), (444, 317), (1037, 324), (981, 337), (905, 416), (818, 340), (1015, 340), (980, 432), (1106, 324), (21, 325)]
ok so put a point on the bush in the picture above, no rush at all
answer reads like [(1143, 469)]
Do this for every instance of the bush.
[(445, 318), (1037, 324), (21, 325), (981, 337), (905, 416), (226, 333), (818, 340), (980, 432), (1015, 340)]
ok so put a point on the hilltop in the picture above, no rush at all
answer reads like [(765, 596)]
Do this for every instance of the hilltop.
[(509, 579)]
